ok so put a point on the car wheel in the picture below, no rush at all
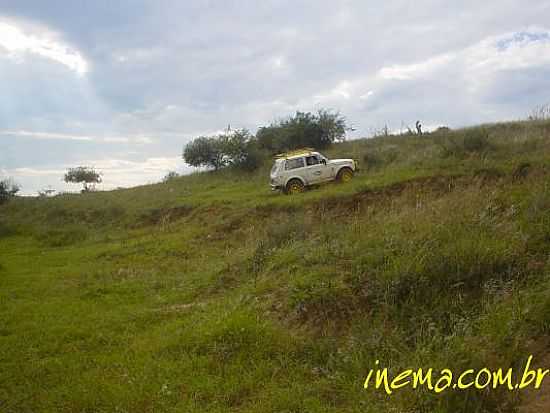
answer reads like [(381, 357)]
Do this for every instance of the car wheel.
[(344, 175), (295, 186)]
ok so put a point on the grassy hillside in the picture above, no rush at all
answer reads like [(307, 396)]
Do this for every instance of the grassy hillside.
[(209, 293)]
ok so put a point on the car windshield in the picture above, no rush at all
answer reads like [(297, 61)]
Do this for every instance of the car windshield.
[(274, 167)]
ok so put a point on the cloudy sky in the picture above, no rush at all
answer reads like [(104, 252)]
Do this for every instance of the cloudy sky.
[(123, 85)]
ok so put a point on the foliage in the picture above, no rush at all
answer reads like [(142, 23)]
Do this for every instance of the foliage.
[(303, 130), (204, 151), (237, 148), (85, 175), (253, 157), (8, 189)]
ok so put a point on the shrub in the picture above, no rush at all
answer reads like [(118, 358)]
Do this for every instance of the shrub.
[(8, 189), (460, 144)]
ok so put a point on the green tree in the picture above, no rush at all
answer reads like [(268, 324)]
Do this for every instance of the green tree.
[(237, 148), (85, 175), (271, 138), (234, 146), (333, 125), (241, 150), (204, 151), (8, 189)]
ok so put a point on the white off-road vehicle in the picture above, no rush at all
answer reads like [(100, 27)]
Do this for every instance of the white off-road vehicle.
[(293, 171)]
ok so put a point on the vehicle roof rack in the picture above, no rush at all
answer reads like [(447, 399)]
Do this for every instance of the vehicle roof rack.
[(295, 152)]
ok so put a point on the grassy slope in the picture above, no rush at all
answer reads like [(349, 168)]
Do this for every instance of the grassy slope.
[(209, 293)]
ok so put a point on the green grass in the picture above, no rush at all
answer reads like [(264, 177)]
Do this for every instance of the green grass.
[(209, 293)]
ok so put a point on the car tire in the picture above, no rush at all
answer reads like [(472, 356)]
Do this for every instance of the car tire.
[(344, 175), (294, 186)]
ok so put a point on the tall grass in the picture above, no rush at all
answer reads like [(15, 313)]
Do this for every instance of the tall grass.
[(210, 293)]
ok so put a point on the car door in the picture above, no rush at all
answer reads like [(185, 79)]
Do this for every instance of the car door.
[(316, 171)]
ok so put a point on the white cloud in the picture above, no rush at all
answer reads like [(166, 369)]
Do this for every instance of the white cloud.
[(366, 95), (410, 71), (44, 135), (16, 43), (70, 137), (342, 92), (33, 172), (509, 51), (505, 53)]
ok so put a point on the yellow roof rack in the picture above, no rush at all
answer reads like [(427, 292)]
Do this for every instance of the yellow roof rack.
[(296, 152)]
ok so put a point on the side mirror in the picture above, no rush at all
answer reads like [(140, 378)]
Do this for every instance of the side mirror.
[(324, 161)]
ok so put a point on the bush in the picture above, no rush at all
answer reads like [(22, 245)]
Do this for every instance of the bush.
[(460, 144), (8, 189)]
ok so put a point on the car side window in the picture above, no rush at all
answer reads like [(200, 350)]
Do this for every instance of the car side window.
[(312, 160), (294, 163)]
